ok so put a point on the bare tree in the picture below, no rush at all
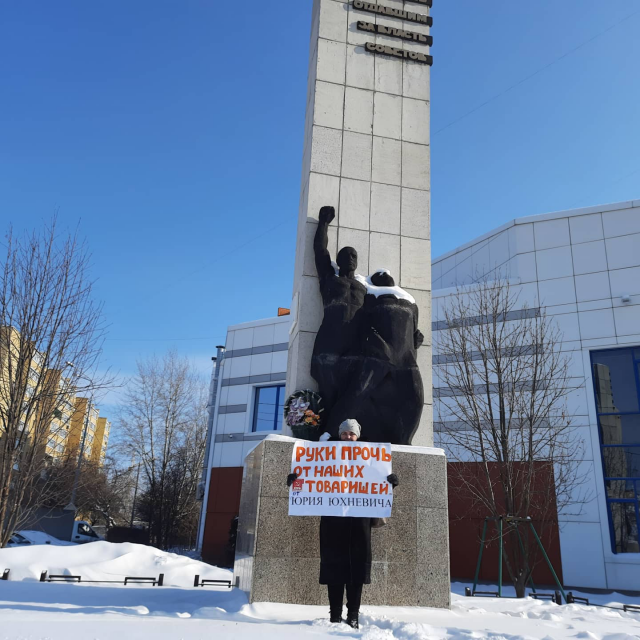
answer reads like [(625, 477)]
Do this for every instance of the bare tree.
[(102, 493), (48, 319), (505, 382), (163, 424)]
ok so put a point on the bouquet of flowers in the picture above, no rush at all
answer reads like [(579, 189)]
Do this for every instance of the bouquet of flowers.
[(303, 413)]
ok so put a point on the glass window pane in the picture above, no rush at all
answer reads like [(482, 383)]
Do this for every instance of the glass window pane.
[(625, 527), (615, 381), (268, 395), (280, 408), (621, 462), (621, 489), (268, 409), (620, 429)]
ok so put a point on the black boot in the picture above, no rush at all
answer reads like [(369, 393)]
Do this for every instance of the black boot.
[(335, 616), (352, 619)]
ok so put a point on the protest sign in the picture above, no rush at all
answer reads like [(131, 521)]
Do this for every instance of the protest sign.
[(347, 479)]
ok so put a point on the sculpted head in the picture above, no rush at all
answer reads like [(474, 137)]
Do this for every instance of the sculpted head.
[(347, 260), (382, 278)]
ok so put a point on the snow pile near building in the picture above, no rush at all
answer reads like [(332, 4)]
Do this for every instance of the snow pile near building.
[(58, 611), (106, 561), (62, 611)]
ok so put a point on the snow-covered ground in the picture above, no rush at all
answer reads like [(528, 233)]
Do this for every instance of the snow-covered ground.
[(105, 561), (36, 611)]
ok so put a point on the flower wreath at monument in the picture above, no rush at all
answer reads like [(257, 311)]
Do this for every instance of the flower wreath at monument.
[(303, 413)]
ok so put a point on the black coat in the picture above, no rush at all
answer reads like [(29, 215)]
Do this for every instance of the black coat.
[(345, 550)]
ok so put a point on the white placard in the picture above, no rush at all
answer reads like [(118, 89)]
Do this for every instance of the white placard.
[(347, 479)]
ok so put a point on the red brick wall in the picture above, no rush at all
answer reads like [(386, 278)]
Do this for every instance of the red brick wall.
[(222, 507), (466, 520)]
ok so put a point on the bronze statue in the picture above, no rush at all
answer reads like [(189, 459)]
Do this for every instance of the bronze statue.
[(336, 346), (365, 354)]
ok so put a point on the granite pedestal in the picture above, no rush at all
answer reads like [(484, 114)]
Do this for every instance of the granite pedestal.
[(278, 556)]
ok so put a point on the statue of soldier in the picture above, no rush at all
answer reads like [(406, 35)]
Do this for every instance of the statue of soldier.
[(385, 394), (336, 352)]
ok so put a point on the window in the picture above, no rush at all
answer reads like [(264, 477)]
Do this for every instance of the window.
[(86, 530), (616, 380), (16, 538), (269, 408)]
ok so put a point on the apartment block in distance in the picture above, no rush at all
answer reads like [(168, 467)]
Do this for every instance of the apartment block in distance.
[(61, 414), (99, 449), (78, 422)]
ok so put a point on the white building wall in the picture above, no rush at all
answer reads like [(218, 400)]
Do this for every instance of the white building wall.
[(577, 265), (255, 356)]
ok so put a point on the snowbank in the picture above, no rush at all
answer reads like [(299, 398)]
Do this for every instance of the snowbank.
[(60, 611), (106, 561), (55, 611)]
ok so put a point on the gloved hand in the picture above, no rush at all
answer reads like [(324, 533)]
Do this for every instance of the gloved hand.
[(290, 478), (392, 479)]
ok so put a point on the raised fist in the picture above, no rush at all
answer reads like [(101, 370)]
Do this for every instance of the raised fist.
[(327, 215)]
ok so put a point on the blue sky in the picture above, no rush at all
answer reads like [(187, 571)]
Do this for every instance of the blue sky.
[(173, 132)]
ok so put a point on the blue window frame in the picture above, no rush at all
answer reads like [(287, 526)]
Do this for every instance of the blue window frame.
[(269, 408), (616, 380)]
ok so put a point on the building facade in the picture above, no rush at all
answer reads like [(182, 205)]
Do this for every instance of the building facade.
[(101, 440), (62, 415), (249, 401), (50, 420), (56, 419), (582, 268), (85, 417)]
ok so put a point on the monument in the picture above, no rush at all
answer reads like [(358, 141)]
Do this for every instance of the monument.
[(367, 154), (361, 329), (365, 352)]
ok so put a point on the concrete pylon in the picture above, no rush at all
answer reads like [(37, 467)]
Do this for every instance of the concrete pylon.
[(366, 153)]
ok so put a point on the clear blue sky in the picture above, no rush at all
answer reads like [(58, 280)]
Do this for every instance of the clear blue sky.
[(173, 132)]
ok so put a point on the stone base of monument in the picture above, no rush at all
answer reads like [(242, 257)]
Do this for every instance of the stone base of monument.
[(278, 556)]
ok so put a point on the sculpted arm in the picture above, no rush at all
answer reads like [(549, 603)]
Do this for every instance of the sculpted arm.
[(321, 242), (418, 338)]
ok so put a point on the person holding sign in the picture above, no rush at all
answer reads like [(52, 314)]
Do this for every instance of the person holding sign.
[(345, 548)]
